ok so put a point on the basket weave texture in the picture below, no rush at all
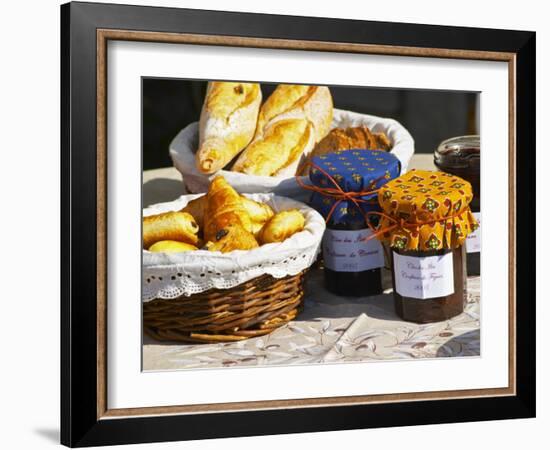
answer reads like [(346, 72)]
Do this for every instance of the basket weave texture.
[(251, 309)]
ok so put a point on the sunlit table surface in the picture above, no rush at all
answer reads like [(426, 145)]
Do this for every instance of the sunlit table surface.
[(331, 329)]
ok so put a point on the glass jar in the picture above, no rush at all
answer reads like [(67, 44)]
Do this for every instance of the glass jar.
[(351, 264), (461, 156), (426, 221), (352, 257), (414, 303)]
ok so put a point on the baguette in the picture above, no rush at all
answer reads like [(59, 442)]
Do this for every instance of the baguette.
[(313, 103), (281, 146), (290, 122), (227, 123)]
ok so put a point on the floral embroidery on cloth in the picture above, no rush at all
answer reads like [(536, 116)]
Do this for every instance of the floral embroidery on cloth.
[(426, 210)]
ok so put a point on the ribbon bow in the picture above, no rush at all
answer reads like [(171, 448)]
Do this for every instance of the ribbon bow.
[(337, 192), (402, 223)]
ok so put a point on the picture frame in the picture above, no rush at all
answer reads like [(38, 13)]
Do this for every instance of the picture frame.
[(86, 418)]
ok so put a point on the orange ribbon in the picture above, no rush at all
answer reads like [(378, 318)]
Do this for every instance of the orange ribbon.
[(401, 223), (337, 192)]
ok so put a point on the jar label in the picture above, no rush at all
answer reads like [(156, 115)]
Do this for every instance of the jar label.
[(423, 277), (473, 240), (348, 251)]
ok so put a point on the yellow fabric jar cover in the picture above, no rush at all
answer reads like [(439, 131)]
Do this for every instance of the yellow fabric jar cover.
[(425, 210)]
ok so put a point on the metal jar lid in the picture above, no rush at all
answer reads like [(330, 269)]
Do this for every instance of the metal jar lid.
[(461, 152)]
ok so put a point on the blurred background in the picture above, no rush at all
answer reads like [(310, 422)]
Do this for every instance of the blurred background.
[(430, 116)]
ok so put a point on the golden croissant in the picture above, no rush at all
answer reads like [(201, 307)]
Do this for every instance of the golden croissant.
[(172, 225), (259, 212), (227, 123)]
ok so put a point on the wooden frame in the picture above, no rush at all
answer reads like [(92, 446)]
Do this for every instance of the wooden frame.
[(86, 419)]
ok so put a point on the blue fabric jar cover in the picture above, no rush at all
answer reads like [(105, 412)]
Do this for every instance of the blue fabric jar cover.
[(355, 171)]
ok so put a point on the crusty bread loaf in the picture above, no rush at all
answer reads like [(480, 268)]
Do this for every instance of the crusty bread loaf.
[(294, 101), (290, 122), (227, 123), (351, 138), (281, 146)]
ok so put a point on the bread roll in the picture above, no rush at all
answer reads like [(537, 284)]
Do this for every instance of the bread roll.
[(173, 225), (171, 247), (282, 144), (282, 225), (227, 123)]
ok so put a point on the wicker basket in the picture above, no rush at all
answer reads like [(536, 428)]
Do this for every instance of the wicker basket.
[(253, 308)]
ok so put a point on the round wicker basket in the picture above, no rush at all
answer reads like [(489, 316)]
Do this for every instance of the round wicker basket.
[(253, 308)]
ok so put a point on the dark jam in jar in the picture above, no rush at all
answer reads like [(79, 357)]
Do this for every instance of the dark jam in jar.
[(413, 307), (461, 157), (350, 280), (345, 188)]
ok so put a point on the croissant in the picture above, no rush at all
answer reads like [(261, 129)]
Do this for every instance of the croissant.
[(232, 237), (282, 225), (259, 212), (171, 247), (173, 225), (224, 207), (227, 123), (280, 146)]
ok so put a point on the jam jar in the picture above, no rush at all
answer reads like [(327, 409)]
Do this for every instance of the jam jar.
[(352, 257), (426, 221), (460, 156), (419, 306)]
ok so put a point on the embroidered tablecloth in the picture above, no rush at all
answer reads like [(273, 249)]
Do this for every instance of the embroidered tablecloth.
[(333, 329)]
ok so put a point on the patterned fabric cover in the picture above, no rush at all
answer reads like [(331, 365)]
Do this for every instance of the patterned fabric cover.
[(356, 170), (426, 210)]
